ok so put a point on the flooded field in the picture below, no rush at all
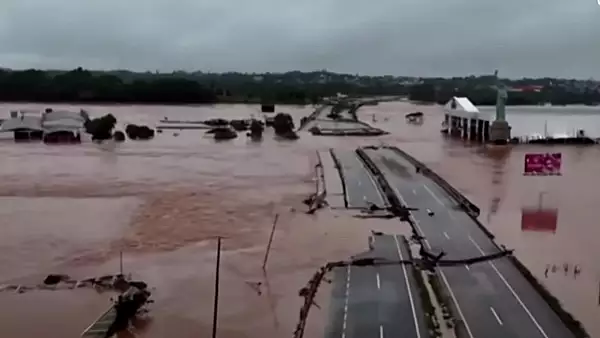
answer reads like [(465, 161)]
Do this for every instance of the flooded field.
[(72, 209)]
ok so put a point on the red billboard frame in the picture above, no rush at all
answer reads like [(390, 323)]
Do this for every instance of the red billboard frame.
[(540, 220)]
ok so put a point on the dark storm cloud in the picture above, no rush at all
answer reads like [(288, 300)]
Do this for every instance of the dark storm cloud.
[(401, 37)]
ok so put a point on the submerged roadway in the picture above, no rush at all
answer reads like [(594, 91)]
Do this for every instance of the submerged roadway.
[(493, 299), (377, 301)]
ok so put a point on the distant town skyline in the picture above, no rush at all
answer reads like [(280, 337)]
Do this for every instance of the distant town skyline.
[(419, 38)]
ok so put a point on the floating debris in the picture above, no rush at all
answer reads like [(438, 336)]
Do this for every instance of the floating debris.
[(136, 132), (116, 282), (119, 316)]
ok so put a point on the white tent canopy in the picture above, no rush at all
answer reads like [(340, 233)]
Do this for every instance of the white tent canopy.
[(462, 107)]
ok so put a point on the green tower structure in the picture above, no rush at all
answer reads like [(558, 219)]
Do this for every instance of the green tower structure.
[(500, 129)]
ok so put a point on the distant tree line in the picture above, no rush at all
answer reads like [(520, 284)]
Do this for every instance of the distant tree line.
[(81, 85), (486, 95), (295, 87)]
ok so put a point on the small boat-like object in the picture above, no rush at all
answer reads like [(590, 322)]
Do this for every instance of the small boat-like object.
[(416, 117)]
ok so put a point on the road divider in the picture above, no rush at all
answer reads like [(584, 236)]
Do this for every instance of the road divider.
[(340, 170)]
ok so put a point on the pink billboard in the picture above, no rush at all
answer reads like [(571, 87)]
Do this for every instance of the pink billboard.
[(543, 164)]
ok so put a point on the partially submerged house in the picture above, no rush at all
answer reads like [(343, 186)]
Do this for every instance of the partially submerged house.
[(49, 126), (462, 118), (62, 126), (26, 126)]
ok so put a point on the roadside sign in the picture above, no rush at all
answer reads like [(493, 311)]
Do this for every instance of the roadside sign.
[(540, 164)]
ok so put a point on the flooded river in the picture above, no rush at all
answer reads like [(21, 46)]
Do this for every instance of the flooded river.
[(72, 209)]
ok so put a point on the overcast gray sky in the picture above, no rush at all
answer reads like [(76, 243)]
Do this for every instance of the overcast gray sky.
[(397, 37)]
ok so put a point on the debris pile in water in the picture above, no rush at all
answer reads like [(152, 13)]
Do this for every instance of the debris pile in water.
[(136, 132), (116, 282), (101, 128), (284, 126)]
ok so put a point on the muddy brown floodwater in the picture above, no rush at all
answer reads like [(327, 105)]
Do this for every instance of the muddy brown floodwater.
[(72, 209)]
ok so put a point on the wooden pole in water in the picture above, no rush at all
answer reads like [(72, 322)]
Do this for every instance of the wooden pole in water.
[(216, 304), (598, 293), (264, 266)]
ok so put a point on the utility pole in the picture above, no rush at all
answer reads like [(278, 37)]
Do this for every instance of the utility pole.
[(216, 304), (270, 241)]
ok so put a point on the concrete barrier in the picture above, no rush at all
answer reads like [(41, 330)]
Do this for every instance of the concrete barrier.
[(341, 172), (312, 116), (387, 190), (320, 177)]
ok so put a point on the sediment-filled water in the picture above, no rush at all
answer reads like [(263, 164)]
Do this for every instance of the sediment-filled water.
[(73, 209)]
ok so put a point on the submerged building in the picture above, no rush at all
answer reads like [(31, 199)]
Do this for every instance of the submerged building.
[(463, 119), (49, 126)]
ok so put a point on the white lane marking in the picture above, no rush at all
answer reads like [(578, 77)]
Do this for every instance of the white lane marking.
[(460, 313), (410, 297), (434, 195), (535, 322), (359, 183), (462, 316), (364, 198), (344, 323), (378, 281), (467, 267), (446, 235), (381, 326), (375, 184), (496, 315), (414, 191)]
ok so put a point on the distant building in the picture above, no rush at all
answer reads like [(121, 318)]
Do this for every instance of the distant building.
[(526, 88)]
